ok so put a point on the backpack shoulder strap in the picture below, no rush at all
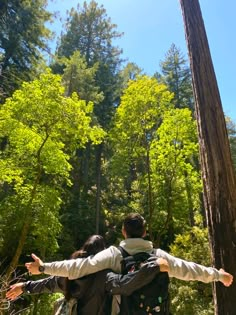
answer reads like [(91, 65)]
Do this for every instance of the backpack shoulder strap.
[(123, 251)]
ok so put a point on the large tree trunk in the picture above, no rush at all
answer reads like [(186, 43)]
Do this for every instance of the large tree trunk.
[(216, 163)]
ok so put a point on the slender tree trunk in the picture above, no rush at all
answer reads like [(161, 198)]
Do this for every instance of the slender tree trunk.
[(190, 201), (216, 162), (98, 184), (86, 161), (28, 215), (150, 195)]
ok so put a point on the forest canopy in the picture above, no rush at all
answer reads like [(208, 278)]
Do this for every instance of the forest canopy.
[(86, 137)]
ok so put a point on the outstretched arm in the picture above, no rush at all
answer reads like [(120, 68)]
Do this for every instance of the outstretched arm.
[(77, 268), (186, 270), (47, 285), (117, 284)]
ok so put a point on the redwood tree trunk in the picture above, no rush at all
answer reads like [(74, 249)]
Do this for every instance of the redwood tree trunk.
[(216, 163)]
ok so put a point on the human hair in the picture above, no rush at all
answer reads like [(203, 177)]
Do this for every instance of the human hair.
[(93, 245), (134, 225)]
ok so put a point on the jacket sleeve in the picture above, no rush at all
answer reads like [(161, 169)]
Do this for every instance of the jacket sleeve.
[(127, 284), (76, 268), (187, 270), (47, 285)]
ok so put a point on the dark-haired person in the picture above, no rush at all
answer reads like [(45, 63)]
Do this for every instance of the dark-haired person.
[(92, 292), (134, 229)]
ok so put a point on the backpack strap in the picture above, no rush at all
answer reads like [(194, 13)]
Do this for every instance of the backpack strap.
[(123, 252), (125, 256)]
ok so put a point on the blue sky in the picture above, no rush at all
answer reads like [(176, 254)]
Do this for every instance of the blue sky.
[(151, 26)]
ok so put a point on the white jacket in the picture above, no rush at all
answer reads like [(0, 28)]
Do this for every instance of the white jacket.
[(111, 257)]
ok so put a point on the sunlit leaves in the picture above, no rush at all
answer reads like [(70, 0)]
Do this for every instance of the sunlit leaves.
[(155, 152), (197, 296), (40, 129), (174, 174), (138, 116)]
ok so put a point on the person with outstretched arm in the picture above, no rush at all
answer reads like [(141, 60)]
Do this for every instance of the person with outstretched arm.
[(134, 229), (93, 292)]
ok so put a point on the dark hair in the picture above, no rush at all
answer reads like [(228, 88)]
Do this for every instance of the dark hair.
[(92, 246), (134, 225)]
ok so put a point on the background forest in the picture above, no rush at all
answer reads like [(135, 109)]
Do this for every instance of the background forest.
[(86, 138)]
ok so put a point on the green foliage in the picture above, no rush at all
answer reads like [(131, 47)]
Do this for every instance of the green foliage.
[(42, 128), (22, 37), (175, 73), (155, 147), (90, 31), (173, 173), (231, 128), (79, 78), (192, 297), (38, 304), (137, 118), (130, 72), (94, 75)]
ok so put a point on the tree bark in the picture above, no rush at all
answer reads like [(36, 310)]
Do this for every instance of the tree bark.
[(216, 162)]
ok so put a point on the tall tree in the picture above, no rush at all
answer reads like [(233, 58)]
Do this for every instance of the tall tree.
[(23, 35), (89, 30), (217, 168), (129, 72), (175, 73), (136, 120), (174, 176), (80, 78), (42, 128)]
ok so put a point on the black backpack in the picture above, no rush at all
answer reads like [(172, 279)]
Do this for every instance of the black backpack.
[(151, 299)]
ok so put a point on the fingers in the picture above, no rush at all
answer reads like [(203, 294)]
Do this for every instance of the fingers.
[(35, 258), (14, 292), (227, 278), (28, 265), (163, 264), (33, 266)]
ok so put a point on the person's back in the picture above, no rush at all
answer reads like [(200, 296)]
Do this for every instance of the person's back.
[(90, 290), (111, 257), (82, 296), (91, 294), (152, 298)]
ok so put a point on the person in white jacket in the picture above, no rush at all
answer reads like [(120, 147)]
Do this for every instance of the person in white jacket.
[(134, 229)]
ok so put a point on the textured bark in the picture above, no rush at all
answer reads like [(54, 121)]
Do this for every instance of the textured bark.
[(216, 162)]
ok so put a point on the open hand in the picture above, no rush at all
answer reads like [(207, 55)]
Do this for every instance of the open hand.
[(33, 267), (226, 278), (15, 291)]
